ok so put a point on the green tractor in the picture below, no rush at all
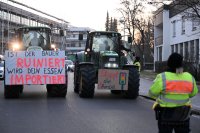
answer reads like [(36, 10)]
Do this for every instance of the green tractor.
[(27, 43), (104, 63)]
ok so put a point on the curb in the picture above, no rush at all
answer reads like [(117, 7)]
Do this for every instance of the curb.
[(193, 111)]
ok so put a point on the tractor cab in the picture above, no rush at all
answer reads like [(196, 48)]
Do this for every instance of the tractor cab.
[(103, 41), (29, 38), (103, 48)]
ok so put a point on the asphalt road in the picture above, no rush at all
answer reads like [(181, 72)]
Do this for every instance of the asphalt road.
[(33, 112)]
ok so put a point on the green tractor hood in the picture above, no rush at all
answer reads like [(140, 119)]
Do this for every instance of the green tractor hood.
[(108, 59)]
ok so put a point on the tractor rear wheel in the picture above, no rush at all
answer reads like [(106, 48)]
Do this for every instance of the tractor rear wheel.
[(12, 91), (87, 81), (57, 90)]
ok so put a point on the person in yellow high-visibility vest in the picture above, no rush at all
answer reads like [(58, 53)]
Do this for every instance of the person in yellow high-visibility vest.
[(172, 90), (137, 63)]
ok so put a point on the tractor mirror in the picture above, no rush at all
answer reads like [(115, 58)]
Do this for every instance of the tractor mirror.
[(80, 37), (129, 39)]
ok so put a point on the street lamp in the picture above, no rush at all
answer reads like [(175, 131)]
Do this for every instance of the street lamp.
[(53, 46)]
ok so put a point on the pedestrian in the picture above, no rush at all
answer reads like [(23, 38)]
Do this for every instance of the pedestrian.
[(172, 90), (137, 63)]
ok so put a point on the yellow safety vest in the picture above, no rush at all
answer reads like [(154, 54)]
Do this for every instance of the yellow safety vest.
[(137, 64), (173, 90)]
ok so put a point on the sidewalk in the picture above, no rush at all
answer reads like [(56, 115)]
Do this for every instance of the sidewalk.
[(150, 76)]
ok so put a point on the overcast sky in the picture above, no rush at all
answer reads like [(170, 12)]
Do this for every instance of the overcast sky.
[(83, 13)]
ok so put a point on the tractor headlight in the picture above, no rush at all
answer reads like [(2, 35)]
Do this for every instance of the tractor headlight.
[(15, 46), (115, 65), (53, 46), (111, 65)]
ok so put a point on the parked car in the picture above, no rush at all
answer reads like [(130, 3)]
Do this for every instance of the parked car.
[(1, 70), (69, 65)]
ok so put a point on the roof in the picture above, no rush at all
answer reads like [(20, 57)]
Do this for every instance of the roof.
[(174, 8), (77, 29), (34, 27), (105, 32)]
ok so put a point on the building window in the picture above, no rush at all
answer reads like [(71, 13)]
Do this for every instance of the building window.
[(195, 24), (186, 50), (172, 48), (77, 44), (197, 50), (181, 49), (183, 25), (174, 28), (4, 15), (192, 50), (68, 45), (85, 36), (72, 44), (159, 53), (73, 35), (176, 48)]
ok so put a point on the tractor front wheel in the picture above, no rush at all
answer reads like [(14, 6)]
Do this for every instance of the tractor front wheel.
[(76, 82), (87, 81), (133, 83)]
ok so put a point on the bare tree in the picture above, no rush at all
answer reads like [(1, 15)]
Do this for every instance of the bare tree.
[(194, 5), (140, 29), (144, 40), (130, 10)]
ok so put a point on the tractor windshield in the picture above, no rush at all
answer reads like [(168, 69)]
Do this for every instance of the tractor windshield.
[(35, 38), (104, 43)]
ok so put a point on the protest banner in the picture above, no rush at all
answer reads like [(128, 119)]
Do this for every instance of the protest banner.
[(34, 67), (113, 79)]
